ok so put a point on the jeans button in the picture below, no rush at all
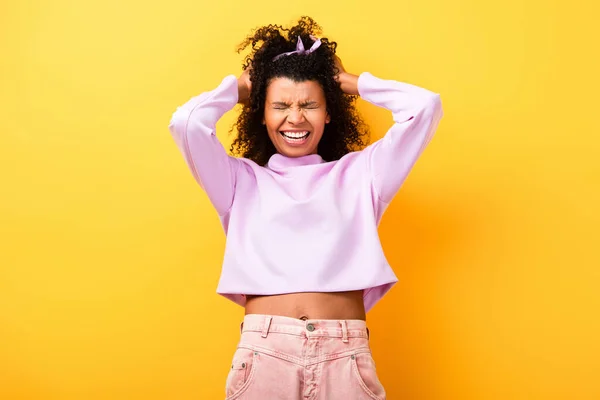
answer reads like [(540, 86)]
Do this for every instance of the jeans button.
[(310, 327)]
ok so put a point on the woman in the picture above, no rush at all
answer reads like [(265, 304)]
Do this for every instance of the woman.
[(300, 208)]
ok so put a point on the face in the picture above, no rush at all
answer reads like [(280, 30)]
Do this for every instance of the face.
[(295, 116)]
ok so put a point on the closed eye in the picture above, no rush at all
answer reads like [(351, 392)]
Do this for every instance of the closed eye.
[(284, 106), (280, 106)]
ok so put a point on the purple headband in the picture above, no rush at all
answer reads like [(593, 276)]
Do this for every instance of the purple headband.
[(300, 48)]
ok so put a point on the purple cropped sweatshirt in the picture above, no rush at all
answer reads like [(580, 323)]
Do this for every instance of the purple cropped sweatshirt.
[(304, 224)]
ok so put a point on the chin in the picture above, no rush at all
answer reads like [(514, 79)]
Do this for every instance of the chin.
[(295, 152)]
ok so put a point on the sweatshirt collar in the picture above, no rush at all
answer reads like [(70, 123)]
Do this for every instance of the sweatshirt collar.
[(279, 162)]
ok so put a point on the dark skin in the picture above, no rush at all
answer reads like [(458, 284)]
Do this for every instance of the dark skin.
[(308, 305)]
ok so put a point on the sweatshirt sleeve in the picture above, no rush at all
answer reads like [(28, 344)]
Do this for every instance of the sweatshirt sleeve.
[(416, 113), (193, 128)]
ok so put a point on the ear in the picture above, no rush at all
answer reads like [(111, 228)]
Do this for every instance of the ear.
[(327, 119), (263, 121)]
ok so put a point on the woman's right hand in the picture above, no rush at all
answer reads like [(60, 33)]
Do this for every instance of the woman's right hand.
[(244, 87)]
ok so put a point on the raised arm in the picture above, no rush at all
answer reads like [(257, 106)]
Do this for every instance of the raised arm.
[(416, 112), (193, 128)]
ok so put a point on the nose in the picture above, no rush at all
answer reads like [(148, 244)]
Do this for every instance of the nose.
[(295, 116)]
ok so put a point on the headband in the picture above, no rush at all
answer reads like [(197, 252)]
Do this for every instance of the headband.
[(300, 49)]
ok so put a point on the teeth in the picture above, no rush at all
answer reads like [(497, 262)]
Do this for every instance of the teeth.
[(295, 135)]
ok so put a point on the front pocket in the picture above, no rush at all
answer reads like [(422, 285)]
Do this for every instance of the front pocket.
[(363, 366), (241, 372)]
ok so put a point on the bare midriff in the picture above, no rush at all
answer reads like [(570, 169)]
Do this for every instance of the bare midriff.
[(336, 305)]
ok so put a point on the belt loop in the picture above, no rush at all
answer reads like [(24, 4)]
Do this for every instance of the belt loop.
[(344, 331), (266, 327)]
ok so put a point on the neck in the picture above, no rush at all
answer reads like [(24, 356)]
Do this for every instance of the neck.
[(279, 161)]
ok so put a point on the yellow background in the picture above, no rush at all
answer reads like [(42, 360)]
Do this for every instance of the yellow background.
[(110, 253)]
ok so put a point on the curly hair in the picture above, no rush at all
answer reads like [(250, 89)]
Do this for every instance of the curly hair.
[(346, 131)]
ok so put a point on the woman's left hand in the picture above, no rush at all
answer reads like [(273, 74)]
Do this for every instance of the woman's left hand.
[(339, 66), (348, 82)]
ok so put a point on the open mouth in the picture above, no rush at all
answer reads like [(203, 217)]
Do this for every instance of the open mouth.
[(295, 137)]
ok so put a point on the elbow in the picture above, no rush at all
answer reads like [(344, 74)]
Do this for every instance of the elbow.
[(427, 109), (432, 109), (177, 123), (434, 101)]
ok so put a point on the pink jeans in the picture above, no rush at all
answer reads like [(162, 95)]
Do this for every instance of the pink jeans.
[(281, 358)]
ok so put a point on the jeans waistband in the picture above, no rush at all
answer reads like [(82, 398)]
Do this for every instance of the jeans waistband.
[(343, 328)]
